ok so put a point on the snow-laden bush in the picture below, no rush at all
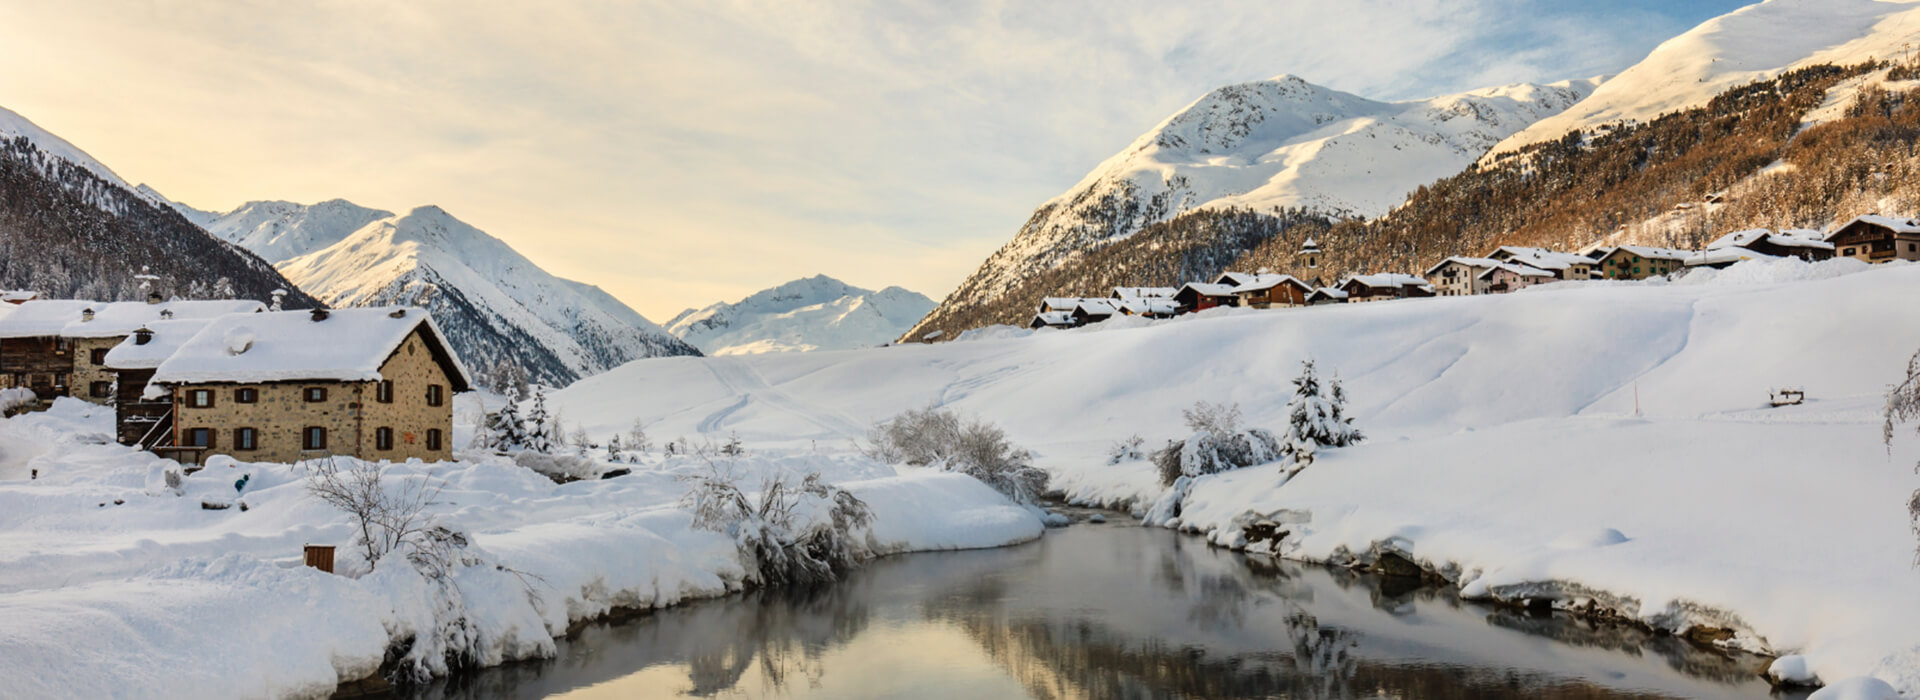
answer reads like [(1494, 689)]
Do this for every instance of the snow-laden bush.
[(12, 399), (561, 467), (936, 437), (788, 533), (1132, 449), (1218, 444)]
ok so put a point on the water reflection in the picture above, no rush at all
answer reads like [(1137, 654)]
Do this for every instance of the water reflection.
[(1111, 611)]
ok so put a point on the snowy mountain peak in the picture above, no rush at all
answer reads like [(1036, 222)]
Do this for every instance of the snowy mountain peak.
[(506, 317), (12, 125), (1752, 43), (811, 313)]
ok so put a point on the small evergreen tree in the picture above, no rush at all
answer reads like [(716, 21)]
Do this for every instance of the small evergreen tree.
[(504, 430), (1316, 417), (542, 434), (614, 452)]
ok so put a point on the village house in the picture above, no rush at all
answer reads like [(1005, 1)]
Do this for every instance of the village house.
[(1459, 276), (1093, 311), (1762, 244), (1147, 307), (1051, 319), (18, 296), (1636, 262), (59, 347), (1564, 266), (139, 419), (1385, 286), (1144, 292), (1877, 239), (375, 383), (1048, 304), (1200, 296), (1268, 290), (1326, 295), (1504, 277)]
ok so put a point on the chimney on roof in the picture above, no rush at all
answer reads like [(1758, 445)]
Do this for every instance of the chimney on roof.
[(398, 313), (319, 315), (166, 314), (153, 297), (86, 314), (142, 335)]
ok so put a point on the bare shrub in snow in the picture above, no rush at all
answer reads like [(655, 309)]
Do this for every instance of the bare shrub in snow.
[(1132, 449), (637, 438), (788, 533), (935, 437), (386, 514)]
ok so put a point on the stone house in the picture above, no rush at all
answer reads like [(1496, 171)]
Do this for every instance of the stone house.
[(1877, 239), (375, 383)]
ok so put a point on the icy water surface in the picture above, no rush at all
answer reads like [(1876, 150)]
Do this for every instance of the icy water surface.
[(1111, 611)]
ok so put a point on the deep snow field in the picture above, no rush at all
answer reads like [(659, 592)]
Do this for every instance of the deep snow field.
[(1600, 441), (1593, 441)]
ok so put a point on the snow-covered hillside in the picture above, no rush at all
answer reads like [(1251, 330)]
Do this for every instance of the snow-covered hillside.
[(1505, 432), (815, 313), (499, 310), (13, 125), (1752, 43), (1282, 142)]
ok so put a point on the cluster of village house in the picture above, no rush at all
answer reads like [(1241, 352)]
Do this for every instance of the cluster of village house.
[(1872, 238), (189, 379)]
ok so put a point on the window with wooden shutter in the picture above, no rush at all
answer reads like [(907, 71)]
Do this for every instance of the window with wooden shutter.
[(383, 438), (313, 438)]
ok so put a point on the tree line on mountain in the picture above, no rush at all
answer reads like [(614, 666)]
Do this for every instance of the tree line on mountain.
[(68, 233)]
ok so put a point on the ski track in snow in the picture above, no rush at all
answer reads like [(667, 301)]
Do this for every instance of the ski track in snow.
[(744, 380), (1693, 318)]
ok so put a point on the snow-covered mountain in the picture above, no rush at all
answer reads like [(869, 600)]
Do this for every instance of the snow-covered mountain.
[(1755, 42), (505, 316), (1282, 142), (71, 228), (815, 313)]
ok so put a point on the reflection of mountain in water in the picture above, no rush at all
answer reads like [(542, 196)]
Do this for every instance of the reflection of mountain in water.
[(1110, 612)]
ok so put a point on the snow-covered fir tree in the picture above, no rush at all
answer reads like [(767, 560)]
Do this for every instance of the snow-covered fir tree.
[(1316, 417), (504, 430), (543, 435), (614, 452)]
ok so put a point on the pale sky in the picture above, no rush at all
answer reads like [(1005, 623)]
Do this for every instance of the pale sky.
[(682, 153)]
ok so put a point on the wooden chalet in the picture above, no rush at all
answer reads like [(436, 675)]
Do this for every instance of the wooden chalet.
[(1144, 292), (141, 419), (1385, 286), (1200, 296), (33, 353), (1268, 291), (59, 348), (1326, 295), (1051, 319), (1093, 311), (1877, 239)]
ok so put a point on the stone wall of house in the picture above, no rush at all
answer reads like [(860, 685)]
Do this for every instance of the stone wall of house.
[(279, 416), (412, 370), (85, 372)]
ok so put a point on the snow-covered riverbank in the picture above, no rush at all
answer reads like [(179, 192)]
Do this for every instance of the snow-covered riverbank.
[(113, 586), (1604, 440)]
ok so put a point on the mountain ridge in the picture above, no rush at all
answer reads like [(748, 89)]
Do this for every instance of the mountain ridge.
[(811, 313)]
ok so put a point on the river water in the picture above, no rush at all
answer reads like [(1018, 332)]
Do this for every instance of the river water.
[(1111, 611)]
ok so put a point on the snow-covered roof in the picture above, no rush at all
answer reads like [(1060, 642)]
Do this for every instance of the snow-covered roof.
[(1054, 318), (1388, 280), (1309, 246), (1147, 305), (1790, 238), (15, 296), (1235, 279), (1886, 222), (1652, 253), (1143, 292), (1059, 303), (1522, 270), (42, 317), (1463, 260), (1544, 259), (1739, 239), (166, 339), (120, 318), (1265, 281), (1328, 292), (1096, 307), (1723, 255), (346, 345), (1209, 289)]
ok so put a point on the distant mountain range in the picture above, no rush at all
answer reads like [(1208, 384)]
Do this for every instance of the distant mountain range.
[(815, 313), (508, 319)]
